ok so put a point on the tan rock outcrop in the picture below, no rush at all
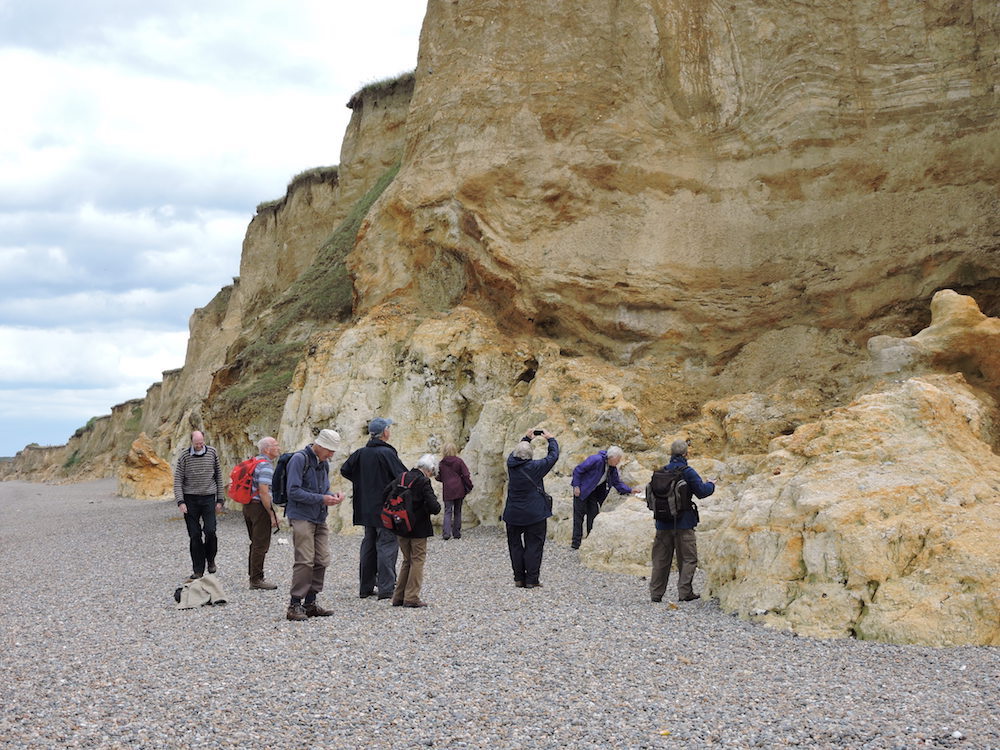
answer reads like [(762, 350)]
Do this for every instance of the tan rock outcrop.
[(143, 474), (878, 520)]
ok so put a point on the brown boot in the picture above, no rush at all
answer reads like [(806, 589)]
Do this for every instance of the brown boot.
[(263, 585), (314, 610), (296, 612)]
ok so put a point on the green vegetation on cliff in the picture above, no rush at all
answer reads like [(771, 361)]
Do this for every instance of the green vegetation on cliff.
[(254, 384)]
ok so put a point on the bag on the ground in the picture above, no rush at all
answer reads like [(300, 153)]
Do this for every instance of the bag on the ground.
[(279, 482), (668, 494), (241, 480), (397, 507)]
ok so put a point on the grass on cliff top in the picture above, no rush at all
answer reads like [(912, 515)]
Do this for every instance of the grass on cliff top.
[(382, 87), (314, 175)]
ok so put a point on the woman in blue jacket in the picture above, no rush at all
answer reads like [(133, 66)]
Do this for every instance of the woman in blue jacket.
[(528, 506)]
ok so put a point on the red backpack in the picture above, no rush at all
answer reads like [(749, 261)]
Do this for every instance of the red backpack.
[(397, 508), (241, 480)]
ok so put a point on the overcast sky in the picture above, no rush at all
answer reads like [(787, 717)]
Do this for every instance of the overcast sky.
[(138, 139)]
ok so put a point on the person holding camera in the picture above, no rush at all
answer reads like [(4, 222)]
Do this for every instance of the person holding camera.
[(528, 507)]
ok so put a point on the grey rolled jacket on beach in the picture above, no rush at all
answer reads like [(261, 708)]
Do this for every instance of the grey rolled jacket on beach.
[(308, 479)]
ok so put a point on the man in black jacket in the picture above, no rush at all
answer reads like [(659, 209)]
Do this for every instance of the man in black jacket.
[(370, 469)]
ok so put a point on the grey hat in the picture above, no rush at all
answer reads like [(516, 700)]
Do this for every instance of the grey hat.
[(328, 439), (378, 425)]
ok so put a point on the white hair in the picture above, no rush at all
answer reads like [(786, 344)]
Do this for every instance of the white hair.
[(679, 448), (615, 452), (523, 450), (263, 443), (429, 462)]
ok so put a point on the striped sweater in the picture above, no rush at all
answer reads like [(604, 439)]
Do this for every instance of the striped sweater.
[(198, 475)]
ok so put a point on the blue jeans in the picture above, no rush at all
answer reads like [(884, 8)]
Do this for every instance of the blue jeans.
[(200, 522)]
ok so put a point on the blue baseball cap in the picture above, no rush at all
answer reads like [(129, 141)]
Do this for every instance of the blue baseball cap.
[(378, 425)]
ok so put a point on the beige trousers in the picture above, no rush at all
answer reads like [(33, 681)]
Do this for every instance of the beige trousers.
[(411, 572), (312, 554)]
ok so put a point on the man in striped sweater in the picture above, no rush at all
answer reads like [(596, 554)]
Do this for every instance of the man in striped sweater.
[(198, 492)]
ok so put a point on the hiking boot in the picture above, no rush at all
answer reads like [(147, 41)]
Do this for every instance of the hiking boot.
[(192, 577), (689, 598), (263, 585), (314, 610), (532, 585), (212, 568), (296, 612), (417, 603)]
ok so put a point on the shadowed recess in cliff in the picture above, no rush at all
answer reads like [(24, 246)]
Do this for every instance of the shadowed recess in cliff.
[(254, 385)]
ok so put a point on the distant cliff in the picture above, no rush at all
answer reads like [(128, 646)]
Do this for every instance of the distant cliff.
[(628, 221)]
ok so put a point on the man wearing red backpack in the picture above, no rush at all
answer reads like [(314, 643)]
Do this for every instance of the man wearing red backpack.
[(259, 513)]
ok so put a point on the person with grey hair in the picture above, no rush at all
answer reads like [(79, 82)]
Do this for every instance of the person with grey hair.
[(370, 469), (677, 535), (528, 507), (593, 479), (413, 543), (259, 513)]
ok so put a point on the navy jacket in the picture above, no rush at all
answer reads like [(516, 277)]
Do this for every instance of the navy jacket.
[(307, 480), (686, 518), (525, 504), (587, 476), (370, 469)]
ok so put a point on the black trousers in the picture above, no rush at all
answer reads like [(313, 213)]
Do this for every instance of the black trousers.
[(526, 544), (200, 522), (379, 552), (584, 507)]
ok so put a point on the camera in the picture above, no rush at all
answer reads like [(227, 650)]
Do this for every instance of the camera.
[(538, 432)]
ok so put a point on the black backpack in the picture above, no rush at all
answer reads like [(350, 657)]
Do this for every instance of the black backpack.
[(668, 494), (279, 489)]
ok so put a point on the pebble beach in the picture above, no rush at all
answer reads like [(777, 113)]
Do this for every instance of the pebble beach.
[(95, 655)]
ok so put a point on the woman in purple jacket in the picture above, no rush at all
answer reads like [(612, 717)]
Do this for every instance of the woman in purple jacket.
[(455, 485)]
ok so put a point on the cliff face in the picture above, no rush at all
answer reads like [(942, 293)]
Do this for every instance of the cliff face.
[(629, 221), (681, 180)]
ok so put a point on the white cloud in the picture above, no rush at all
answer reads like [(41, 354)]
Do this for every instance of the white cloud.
[(138, 140), (85, 360)]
